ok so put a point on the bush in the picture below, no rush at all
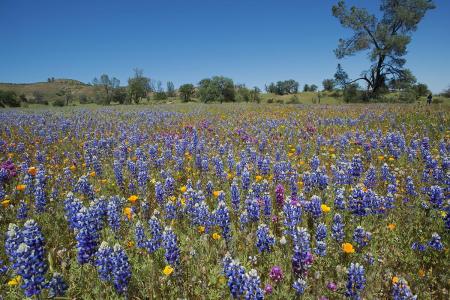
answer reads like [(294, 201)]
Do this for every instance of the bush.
[(59, 102), (446, 93), (9, 98), (270, 100), (437, 100), (160, 95), (293, 100), (84, 99), (38, 97), (407, 96), (351, 93), (280, 101)]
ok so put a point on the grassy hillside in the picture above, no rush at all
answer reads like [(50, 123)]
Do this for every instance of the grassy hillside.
[(49, 90)]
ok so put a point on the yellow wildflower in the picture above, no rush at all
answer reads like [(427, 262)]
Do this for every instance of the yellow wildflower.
[(133, 198), (15, 281), (325, 208), (168, 270), (348, 248), (216, 236), (32, 171), (21, 187), (391, 226)]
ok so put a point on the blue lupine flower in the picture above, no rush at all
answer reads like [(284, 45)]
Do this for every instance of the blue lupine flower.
[(84, 187), (267, 204), (264, 239), (235, 274), (169, 186), (245, 179), (118, 172), (222, 218), (40, 199), (435, 242), (321, 248), (30, 259), (299, 286), (159, 193), (302, 258), (103, 262), (410, 188), (3, 268), (292, 216), (418, 247), (169, 242), (337, 228), (436, 196), (361, 237), (114, 212), (314, 206), (355, 281), (252, 207), (252, 287), (339, 201), (235, 196), (244, 219), (401, 291), (371, 178), (14, 238), (87, 236), (57, 287), (22, 211), (356, 203), (121, 269), (321, 232), (72, 206)]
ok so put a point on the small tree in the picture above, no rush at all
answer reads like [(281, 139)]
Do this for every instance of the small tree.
[(120, 95), (186, 91), (421, 90), (306, 88), (243, 93), (107, 85), (313, 88), (255, 95), (340, 77), (160, 94), (218, 88), (138, 86), (328, 84), (170, 89)]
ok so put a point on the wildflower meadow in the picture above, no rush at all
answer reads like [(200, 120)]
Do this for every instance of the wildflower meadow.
[(232, 201)]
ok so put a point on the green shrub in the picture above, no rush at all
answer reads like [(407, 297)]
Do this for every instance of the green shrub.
[(280, 101), (270, 100), (84, 99), (437, 100), (9, 98), (160, 95), (59, 102), (293, 100), (407, 96)]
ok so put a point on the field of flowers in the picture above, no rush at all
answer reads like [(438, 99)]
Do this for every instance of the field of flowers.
[(225, 201)]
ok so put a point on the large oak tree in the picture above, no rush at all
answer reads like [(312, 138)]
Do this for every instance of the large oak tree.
[(385, 38)]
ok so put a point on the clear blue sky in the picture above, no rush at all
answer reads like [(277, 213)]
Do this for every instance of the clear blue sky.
[(253, 42)]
